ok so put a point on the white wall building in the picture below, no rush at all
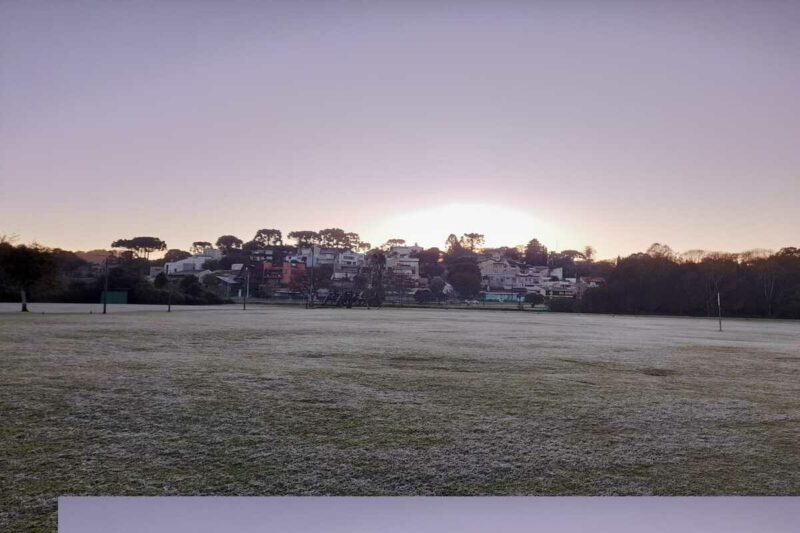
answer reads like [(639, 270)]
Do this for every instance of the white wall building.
[(193, 264), (347, 265), (505, 275), (399, 260), (314, 256)]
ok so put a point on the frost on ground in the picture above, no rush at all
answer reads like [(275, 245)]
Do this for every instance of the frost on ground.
[(217, 401)]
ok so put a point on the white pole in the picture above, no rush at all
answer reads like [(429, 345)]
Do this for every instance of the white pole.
[(719, 308)]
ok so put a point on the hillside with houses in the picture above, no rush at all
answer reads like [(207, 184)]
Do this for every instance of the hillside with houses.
[(409, 273), (334, 267)]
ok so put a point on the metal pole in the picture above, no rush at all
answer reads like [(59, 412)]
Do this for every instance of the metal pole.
[(246, 288), (169, 291), (105, 288), (719, 308), (311, 285)]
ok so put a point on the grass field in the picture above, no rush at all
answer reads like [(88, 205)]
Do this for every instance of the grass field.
[(391, 402)]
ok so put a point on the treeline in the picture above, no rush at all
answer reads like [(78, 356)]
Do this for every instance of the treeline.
[(758, 283), (36, 273), (751, 284)]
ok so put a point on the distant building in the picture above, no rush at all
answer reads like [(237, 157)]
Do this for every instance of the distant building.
[(400, 261), (348, 265), (507, 275), (231, 285), (502, 297), (262, 254), (290, 271), (193, 264), (314, 256), (561, 289)]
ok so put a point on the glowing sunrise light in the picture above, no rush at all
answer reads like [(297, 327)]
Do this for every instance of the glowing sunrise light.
[(502, 226)]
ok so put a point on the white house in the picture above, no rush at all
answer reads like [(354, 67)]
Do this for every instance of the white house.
[(399, 260), (314, 256), (193, 264), (505, 275), (347, 265)]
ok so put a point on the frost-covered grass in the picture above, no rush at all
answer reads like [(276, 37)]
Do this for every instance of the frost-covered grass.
[(391, 402)]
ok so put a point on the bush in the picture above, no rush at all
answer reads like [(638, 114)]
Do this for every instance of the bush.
[(561, 305), (534, 298)]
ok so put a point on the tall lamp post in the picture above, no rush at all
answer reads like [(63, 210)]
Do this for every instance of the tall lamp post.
[(105, 286), (311, 292)]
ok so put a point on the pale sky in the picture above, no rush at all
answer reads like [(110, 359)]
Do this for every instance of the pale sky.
[(615, 124)]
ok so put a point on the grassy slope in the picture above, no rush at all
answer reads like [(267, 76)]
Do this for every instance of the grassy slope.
[(411, 402)]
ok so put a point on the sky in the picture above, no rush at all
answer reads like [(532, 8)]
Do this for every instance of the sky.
[(612, 124)]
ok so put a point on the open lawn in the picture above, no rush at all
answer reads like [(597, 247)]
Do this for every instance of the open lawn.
[(389, 402)]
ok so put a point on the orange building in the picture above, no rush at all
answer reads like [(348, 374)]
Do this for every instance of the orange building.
[(289, 269), (281, 275)]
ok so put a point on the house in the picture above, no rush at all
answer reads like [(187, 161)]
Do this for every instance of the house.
[(497, 274), (561, 289), (314, 256), (348, 265), (507, 275), (531, 279), (271, 275), (262, 254), (399, 260), (291, 271), (274, 276), (193, 264), (231, 285)]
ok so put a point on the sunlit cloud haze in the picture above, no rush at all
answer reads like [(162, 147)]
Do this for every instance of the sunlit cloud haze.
[(614, 124)]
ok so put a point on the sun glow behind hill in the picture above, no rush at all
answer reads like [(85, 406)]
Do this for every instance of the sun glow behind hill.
[(502, 226)]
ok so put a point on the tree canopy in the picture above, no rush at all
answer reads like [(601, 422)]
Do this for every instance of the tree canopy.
[(175, 255), (393, 242), (198, 247), (304, 237), (465, 277), (229, 244), (453, 245), (269, 237), (23, 266), (472, 241), (536, 253), (141, 246)]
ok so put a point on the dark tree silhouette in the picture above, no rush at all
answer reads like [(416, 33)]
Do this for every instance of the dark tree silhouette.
[(198, 247), (269, 237), (141, 246), (24, 266), (175, 255), (229, 244), (536, 253), (304, 238)]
